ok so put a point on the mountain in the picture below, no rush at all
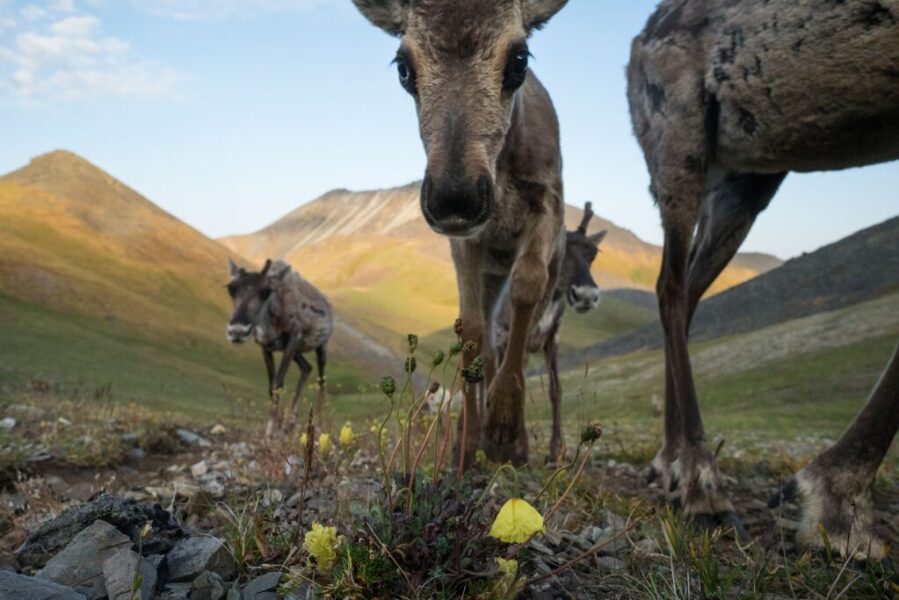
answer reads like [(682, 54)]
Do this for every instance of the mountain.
[(98, 284), (859, 268), (377, 258)]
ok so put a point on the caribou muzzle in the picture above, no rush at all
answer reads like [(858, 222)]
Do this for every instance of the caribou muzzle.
[(457, 207), (238, 333), (583, 298)]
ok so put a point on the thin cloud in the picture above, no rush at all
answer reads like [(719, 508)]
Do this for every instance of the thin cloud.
[(56, 53), (200, 10)]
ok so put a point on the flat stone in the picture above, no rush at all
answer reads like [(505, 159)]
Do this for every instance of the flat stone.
[(81, 562), (175, 591), (218, 430), (610, 564), (119, 572), (7, 423), (192, 439), (82, 491), (20, 587), (192, 556), (199, 469), (127, 516), (265, 583), (208, 586)]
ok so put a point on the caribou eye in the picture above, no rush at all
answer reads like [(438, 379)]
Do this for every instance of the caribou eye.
[(264, 293), (516, 69), (406, 74), (232, 289)]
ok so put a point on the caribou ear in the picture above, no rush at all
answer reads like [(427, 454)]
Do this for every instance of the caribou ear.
[(537, 13), (233, 269), (389, 15), (280, 275), (596, 238)]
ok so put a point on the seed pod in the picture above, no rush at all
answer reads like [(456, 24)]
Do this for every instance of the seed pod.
[(388, 385)]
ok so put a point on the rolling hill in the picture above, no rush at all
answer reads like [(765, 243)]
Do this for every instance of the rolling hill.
[(375, 256), (856, 269), (99, 285)]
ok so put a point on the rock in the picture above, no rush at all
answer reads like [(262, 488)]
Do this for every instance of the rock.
[(20, 587), (265, 583), (214, 489), (192, 556), (137, 454), (175, 591), (130, 438), (7, 423), (119, 572), (610, 564), (234, 593), (218, 430), (82, 491), (81, 562), (208, 586), (272, 496), (58, 486), (127, 516), (199, 469), (192, 439), (64, 421)]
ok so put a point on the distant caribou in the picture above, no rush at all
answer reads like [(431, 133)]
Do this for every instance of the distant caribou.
[(493, 181), (726, 98), (575, 286), (284, 313)]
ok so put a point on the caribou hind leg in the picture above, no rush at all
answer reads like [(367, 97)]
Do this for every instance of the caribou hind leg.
[(305, 371), (729, 210), (835, 490), (321, 359), (557, 441)]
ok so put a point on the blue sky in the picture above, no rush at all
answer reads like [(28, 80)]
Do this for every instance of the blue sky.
[(229, 113)]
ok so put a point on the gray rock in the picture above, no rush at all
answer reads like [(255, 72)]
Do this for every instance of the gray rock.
[(127, 516), (208, 586), (610, 564), (265, 583), (234, 593), (175, 591), (81, 562), (192, 556), (7, 423), (192, 439), (119, 572), (20, 587), (266, 596)]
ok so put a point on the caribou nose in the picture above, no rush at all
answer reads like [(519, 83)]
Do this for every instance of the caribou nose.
[(456, 206), (238, 332), (583, 297)]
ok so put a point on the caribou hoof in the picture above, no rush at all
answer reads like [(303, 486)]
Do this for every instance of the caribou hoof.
[(837, 511)]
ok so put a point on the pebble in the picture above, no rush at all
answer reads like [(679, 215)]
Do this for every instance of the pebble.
[(7, 423)]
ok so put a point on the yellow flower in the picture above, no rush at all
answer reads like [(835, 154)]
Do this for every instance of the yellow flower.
[(304, 439), (509, 567), (322, 542), (480, 458), (346, 435), (324, 444), (516, 522)]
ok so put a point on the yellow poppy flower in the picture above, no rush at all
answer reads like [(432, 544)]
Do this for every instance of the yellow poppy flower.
[(304, 439), (516, 522), (321, 542), (347, 437), (324, 444)]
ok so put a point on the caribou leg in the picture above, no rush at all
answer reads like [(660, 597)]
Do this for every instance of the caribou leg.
[(269, 360), (287, 357), (835, 490), (321, 359), (729, 210), (534, 270), (305, 371), (468, 260), (557, 441)]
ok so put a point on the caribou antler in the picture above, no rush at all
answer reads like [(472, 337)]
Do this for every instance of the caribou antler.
[(588, 214), (268, 265)]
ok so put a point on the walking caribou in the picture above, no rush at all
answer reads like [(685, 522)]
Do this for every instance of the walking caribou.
[(493, 180), (284, 313), (576, 287), (727, 97)]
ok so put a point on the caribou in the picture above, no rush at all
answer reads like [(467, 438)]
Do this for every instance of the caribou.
[(283, 313), (575, 287), (493, 182), (726, 98)]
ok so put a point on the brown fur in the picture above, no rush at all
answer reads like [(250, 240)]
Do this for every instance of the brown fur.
[(493, 181), (726, 98), (283, 313)]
